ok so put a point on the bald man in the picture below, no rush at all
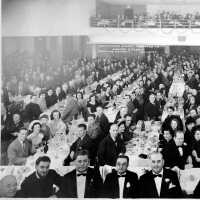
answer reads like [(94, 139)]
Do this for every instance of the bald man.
[(8, 186), (159, 182)]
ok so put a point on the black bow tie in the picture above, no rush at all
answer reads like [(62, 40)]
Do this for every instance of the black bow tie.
[(82, 174), (157, 175), (121, 175)]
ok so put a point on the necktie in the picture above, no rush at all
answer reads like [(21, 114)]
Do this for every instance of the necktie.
[(157, 175), (23, 146)]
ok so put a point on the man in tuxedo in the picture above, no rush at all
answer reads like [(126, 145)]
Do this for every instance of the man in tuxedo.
[(83, 142), (177, 153), (40, 183), (103, 121), (110, 147), (83, 182), (159, 182), (121, 183), (19, 149), (196, 193)]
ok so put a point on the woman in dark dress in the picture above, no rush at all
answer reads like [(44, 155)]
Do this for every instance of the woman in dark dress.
[(196, 147), (165, 138), (92, 104)]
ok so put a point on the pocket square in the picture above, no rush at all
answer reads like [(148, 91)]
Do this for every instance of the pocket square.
[(171, 186)]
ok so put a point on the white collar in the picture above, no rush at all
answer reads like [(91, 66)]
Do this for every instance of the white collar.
[(37, 176), (22, 142), (159, 173)]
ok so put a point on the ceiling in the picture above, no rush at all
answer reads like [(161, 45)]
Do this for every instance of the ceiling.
[(151, 1)]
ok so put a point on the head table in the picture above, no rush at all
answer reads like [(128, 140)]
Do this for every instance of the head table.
[(188, 178)]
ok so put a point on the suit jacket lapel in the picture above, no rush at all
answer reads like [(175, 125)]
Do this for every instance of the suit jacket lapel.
[(164, 185), (117, 190), (125, 189), (115, 183), (74, 184), (88, 183), (154, 188), (19, 147)]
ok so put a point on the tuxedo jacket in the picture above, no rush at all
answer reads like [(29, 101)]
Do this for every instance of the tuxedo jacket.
[(111, 185), (172, 155), (93, 187), (16, 154), (196, 193), (170, 186)]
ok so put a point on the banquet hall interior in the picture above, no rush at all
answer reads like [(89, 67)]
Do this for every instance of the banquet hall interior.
[(110, 80)]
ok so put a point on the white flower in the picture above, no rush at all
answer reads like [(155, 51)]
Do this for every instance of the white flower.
[(128, 185), (167, 180)]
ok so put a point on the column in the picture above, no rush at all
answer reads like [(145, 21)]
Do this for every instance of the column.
[(94, 51)]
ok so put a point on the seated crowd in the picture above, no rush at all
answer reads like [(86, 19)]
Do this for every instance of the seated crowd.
[(100, 142), (164, 19), (86, 182)]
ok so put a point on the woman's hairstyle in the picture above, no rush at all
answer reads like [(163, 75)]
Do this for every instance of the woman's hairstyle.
[(178, 120), (195, 129), (54, 111), (79, 93), (169, 129), (82, 126), (36, 123), (93, 95), (120, 123)]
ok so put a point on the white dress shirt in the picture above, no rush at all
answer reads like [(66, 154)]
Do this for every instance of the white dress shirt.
[(81, 181), (121, 181), (158, 182)]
